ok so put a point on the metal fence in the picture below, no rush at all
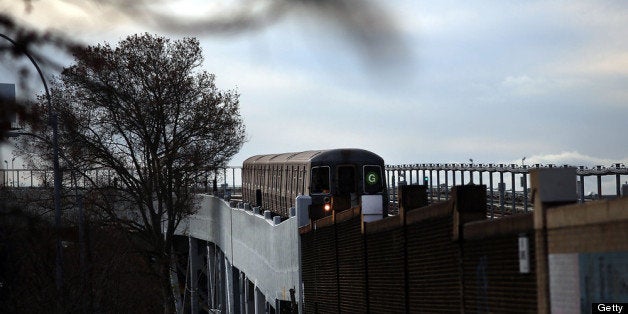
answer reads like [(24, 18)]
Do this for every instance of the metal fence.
[(226, 178), (508, 187)]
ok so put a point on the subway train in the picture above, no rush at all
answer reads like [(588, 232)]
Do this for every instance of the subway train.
[(335, 179)]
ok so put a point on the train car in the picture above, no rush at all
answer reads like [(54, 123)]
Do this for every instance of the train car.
[(336, 179)]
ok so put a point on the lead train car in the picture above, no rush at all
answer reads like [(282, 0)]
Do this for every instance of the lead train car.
[(335, 179)]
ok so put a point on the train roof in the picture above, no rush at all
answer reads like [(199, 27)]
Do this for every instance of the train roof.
[(314, 156)]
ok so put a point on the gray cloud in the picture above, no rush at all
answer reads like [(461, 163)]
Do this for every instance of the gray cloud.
[(493, 81)]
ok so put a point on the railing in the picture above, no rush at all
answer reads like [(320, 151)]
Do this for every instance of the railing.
[(39, 178), (507, 185), (228, 182), (226, 178)]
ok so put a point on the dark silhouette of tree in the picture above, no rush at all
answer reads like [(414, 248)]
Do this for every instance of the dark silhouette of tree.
[(143, 111), (117, 280)]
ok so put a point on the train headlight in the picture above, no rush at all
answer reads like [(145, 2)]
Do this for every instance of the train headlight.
[(327, 205)]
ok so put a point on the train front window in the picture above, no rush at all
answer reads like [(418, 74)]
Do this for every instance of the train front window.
[(320, 180), (372, 179), (346, 179)]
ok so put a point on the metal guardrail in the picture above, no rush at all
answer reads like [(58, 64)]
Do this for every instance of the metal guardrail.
[(27, 177), (507, 185)]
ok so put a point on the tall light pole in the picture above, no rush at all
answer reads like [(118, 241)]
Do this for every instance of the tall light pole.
[(52, 121)]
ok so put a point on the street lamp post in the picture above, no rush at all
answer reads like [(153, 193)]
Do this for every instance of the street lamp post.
[(56, 169)]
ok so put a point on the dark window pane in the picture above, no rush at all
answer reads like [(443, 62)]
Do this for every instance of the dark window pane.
[(346, 179), (320, 180)]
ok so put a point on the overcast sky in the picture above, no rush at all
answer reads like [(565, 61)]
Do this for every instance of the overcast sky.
[(492, 81)]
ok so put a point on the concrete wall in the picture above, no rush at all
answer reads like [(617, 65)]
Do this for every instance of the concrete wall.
[(409, 263), (582, 249), (266, 253), (446, 257), (494, 278), (587, 254)]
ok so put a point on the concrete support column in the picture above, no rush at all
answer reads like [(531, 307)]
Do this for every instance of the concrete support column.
[(211, 275), (221, 289), (230, 302), (241, 289), (492, 193), (514, 195), (446, 184), (249, 297), (260, 302), (237, 289), (194, 264), (550, 187), (277, 306), (502, 191)]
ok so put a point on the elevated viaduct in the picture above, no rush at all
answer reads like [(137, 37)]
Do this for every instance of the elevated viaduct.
[(444, 257)]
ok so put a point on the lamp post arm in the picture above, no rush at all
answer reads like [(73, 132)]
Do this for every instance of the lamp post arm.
[(41, 74)]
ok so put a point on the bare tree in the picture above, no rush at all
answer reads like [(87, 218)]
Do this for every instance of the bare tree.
[(155, 180), (144, 111)]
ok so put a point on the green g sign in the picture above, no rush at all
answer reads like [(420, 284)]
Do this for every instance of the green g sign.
[(372, 178)]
